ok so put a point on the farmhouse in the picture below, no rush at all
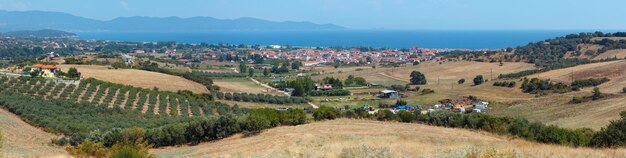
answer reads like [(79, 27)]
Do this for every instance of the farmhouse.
[(481, 105), (127, 59), (458, 108), (48, 71), (390, 94), (323, 87)]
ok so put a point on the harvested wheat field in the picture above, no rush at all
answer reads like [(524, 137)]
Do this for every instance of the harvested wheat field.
[(446, 72), (23, 140), (451, 72), (243, 85), (556, 109), (619, 53), (614, 70), (359, 138), (139, 78)]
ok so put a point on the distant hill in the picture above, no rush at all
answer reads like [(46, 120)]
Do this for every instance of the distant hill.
[(37, 20), (40, 33)]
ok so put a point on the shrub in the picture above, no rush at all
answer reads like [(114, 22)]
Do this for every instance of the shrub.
[(88, 149), (332, 92), (614, 135), (325, 113), (427, 91), (461, 81), (597, 94), (624, 90), (134, 150), (386, 115), (255, 123), (406, 116), (588, 82), (401, 102), (577, 99), (479, 80)]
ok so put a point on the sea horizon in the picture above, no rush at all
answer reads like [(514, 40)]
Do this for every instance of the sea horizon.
[(376, 38)]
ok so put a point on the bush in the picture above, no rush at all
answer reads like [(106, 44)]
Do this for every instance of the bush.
[(406, 116), (332, 92), (614, 135), (386, 115), (325, 113), (577, 99), (88, 149), (401, 102), (588, 82), (624, 90), (134, 150), (427, 91), (255, 123), (478, 80), (461, 81), (505, 84)]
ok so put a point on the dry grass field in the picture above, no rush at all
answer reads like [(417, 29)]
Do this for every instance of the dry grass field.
[(556, 109), (619, 53), (445, 73), (339, 137), (451, 72), (23, 140), (139, 78), (242, 85), (614, 70)]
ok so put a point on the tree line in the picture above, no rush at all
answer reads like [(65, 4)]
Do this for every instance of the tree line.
[(614, 135), (263, 98), (191, 131)]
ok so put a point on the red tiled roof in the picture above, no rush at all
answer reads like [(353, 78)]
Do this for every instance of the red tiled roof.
[(49, 67)]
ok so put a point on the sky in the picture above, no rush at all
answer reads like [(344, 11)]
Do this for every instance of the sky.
[(364, 14)]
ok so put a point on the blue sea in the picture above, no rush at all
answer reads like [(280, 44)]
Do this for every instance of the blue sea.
[(346, 38)]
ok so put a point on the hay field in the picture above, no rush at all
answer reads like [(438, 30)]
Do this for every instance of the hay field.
[(451, 72), (331, 138), (139, 78), (619, 53), (242, 85), (447, 72), (614, 70), (23, 140), (556, 109)]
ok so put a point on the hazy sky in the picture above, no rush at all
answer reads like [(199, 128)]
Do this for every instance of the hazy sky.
[(363, 14)]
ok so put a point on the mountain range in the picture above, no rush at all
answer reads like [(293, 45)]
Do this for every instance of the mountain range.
[(37, 20)]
